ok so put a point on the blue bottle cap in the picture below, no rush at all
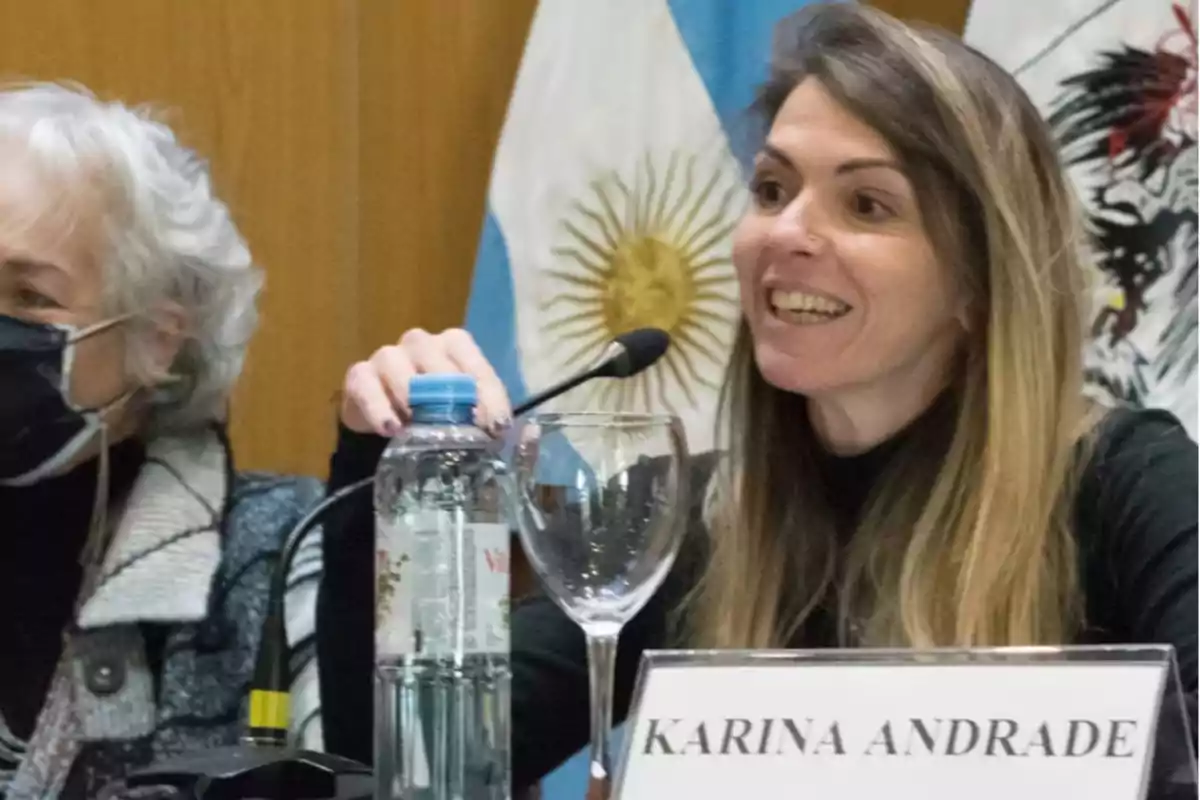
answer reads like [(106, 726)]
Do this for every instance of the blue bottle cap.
[(442, 389)]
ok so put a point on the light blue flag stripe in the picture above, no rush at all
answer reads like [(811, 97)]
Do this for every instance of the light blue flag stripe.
[(491, 309), (730, 43)]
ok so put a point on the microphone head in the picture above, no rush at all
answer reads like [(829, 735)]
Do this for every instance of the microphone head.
[(635, 351)]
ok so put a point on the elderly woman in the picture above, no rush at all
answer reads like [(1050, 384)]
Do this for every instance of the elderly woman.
[(136, 561)]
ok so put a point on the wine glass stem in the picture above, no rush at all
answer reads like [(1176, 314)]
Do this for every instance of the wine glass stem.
[(602, 655)]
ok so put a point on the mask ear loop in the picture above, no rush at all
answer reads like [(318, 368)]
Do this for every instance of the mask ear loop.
[(97, 540), (98, 532), (98, 328)]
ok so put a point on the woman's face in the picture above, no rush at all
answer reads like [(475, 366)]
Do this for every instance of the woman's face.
[(50, 272), (844, 294)]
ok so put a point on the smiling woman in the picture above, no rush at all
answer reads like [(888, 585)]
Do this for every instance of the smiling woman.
[(911, 461)]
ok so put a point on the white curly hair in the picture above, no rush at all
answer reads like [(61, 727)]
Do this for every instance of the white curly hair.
[(169, 239)]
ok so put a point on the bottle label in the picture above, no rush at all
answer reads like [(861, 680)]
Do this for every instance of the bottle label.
[(393, 590), (491, 590), (430, 602)]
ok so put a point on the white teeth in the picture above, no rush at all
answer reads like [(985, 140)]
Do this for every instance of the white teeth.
[(811, 303)]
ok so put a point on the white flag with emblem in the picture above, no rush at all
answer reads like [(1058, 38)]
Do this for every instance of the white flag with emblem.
[(1117, 81)]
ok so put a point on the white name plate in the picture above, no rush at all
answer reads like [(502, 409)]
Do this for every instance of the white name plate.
[(774, 726)]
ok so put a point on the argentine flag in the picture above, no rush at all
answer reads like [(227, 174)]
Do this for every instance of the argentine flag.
[(616, 184)]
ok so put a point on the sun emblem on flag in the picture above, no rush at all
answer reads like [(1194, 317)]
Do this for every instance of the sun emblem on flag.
[(649, 249)]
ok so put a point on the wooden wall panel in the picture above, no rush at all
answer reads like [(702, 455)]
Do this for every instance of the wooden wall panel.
[(949, 14), (434, 82), (265, 89)]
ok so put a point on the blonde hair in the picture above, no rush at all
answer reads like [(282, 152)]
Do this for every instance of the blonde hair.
[(966, 540)]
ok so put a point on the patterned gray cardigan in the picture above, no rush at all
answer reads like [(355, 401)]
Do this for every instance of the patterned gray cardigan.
[(192, 549)]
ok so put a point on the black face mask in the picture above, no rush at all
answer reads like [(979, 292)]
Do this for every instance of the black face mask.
[(40, 429)]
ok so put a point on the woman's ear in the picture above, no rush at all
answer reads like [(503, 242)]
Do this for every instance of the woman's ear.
[(168, 329)]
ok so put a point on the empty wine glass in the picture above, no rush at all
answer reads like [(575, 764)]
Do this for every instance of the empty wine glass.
[(600, 507)]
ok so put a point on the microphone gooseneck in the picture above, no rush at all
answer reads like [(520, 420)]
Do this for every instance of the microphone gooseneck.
[(269, 713), (263, 765)]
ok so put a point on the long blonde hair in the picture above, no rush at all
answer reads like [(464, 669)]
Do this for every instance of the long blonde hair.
[(966, 540)]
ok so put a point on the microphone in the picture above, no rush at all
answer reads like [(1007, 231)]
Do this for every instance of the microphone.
[(629, 354), (262, 766)]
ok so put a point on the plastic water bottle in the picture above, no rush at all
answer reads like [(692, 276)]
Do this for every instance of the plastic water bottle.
[(442, 595)]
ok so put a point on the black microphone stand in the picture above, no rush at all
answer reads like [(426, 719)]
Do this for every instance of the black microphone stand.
[(262, 765)]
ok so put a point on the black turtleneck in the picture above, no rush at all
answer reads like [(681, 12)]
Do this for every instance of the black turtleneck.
[(43, 529)]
